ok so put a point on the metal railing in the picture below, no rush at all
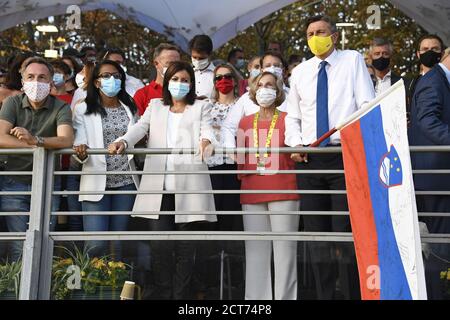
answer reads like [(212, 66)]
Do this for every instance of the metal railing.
[(39, 240)]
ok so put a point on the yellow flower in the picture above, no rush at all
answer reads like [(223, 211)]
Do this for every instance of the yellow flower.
[(66, 262), (83, 273), (98, 263)]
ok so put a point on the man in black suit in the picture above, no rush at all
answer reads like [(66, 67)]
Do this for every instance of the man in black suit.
[(430, 120), (381, 51)]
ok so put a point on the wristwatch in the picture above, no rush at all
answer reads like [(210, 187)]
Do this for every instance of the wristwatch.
[(39, 141)]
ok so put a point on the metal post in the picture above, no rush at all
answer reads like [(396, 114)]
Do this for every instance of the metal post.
[(47, 242), (32, 244)]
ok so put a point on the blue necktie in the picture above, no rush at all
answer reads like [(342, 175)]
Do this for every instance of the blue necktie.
[(322, 104)]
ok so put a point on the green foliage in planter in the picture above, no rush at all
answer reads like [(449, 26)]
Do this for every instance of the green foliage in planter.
[(94, 272), (10, 277)]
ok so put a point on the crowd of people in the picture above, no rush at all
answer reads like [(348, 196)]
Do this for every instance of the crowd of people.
[(88, 100)]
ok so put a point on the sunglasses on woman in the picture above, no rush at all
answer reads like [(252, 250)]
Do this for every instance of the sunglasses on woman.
[(219, 77)]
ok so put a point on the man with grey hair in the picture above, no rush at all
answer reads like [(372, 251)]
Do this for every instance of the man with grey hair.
[(28, 120), (380, 52), (164, 54)]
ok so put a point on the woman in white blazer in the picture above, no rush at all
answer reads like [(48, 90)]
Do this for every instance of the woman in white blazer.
[(106, 114), (176, 121)]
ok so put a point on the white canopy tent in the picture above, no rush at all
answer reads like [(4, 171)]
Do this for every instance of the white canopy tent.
[(180, 20)]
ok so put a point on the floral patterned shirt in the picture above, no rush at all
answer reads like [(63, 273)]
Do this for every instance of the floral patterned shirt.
[(115, 125), (219, 112)]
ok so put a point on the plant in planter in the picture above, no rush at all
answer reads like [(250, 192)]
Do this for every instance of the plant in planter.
[(99, 277), (445, 277), (10, 279)]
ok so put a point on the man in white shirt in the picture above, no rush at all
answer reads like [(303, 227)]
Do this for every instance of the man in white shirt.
[(380, 53), (270, 62), (324, 90), (132, 84), (201, 47)]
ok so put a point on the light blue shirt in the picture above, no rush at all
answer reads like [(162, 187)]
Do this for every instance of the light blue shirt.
[(447, 72)]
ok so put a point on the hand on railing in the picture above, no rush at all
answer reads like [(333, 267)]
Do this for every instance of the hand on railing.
[(206, 149), (81, 151), (299, 157), (24, 135), (117, 147)]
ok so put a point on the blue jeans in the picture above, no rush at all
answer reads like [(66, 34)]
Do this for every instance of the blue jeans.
[(122, 202), (21, 203)]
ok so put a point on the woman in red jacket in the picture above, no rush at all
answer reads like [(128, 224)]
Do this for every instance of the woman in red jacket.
[(266, 129)]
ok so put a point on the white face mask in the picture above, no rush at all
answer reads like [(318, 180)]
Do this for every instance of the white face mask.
[(200, 64), (266, 97), (79, 79), (36, 91), (163, 72), (275, 70)]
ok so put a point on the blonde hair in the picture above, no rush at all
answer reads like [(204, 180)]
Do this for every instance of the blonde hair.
[(279, 87), (215, 93)]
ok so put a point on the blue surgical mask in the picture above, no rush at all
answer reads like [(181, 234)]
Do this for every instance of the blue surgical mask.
[(179, 90), (58, 79), (111, 86), (240, 63), (254, 73)]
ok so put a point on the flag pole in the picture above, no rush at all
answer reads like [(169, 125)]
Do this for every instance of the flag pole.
[(356, 115)]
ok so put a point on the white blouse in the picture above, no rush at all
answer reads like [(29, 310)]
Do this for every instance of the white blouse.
[(173, 123), (219, 113)]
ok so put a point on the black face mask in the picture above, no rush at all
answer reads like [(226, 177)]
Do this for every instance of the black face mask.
[(430, 58), (381, 63)]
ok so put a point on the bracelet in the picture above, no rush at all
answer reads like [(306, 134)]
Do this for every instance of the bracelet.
[(39, 141), (125, 143)]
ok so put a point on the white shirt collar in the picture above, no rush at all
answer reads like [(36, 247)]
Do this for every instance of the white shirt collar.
[(331, 59), (387, 76)]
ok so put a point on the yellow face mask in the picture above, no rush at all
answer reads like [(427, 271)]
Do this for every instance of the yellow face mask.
[(320, 45)]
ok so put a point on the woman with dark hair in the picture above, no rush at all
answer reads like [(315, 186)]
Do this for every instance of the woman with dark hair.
[(75, 68), (107, 113), (13, 83), (176, 121)]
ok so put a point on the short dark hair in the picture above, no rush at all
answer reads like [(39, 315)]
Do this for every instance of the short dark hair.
[(165, 46), (273, 54), (275, 42), (59, 64), (293, 58), (42, 61), (76, 65), (175, 67), (201, 43), (13, 77), (84, 50), (233, 52), (325, 18), (92, 100), (430, 37), (380, 42), (111, 51)]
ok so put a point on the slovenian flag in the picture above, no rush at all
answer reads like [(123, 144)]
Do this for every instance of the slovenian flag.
[(381, 200)]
